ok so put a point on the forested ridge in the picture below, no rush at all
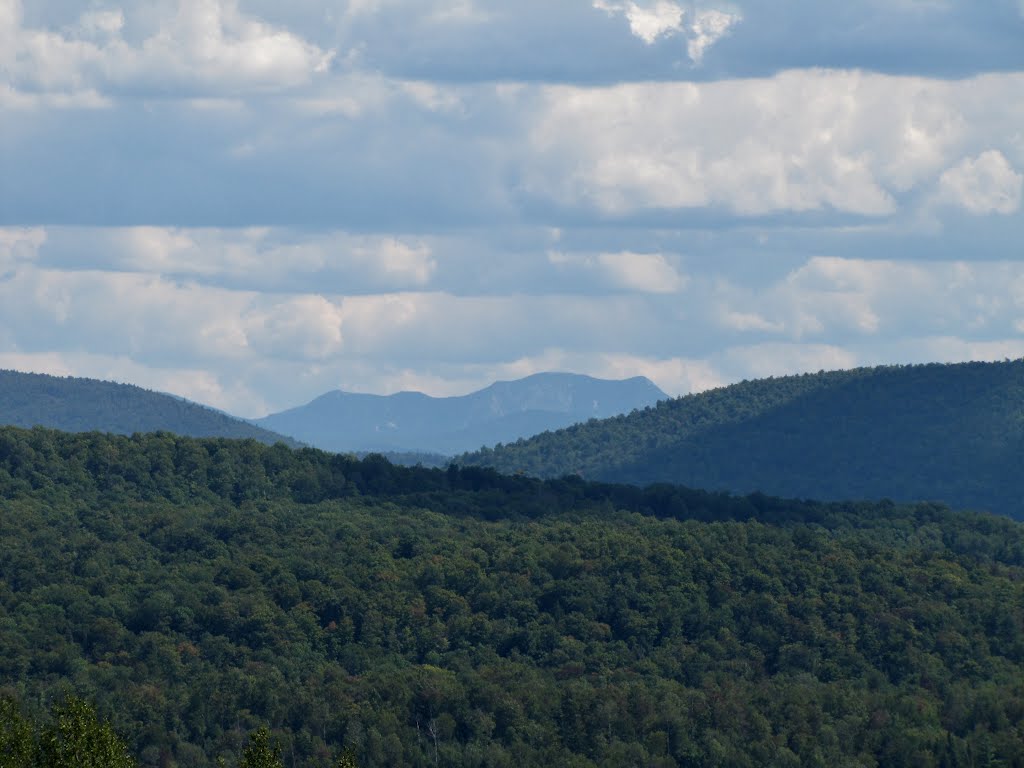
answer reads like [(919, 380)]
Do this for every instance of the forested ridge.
[(948, 433), (195, 590), (86, 405)]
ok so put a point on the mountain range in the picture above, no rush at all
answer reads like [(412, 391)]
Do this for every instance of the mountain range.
[(952, 433), (948, 433), (89, 405), (415, 422), (199, 589)]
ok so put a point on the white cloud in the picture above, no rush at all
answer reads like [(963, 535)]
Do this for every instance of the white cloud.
[(802, 141), (748, 321), (815, 143), (858, 299), (648, 22), (140, 316), (780, 359), (433, 97), (161, 249), (983, 185), (674, 375), (212, 41), (202, 45), (305, 327), (256, 257), (641, 272), (646, 272), (393, 258), (661, 19), (707, 29), (652, 21), (446, 328)]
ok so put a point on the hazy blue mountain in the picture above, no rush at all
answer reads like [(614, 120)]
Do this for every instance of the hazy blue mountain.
[(87, 405), (504, 411), (951, 433)]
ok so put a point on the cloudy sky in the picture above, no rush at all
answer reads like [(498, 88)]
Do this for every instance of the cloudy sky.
[(250, 202)]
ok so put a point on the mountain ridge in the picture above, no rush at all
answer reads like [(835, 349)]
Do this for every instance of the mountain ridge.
[(78, 404), (947, 432), (413, 421)]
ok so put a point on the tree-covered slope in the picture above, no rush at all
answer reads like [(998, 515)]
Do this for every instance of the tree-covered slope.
[(953, 433), (415, 422), (195, 589), (87, 405)]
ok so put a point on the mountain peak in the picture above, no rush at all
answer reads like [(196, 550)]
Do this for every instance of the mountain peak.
[(500, 412)]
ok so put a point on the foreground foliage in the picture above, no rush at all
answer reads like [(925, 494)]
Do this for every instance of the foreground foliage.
[(196, 590), (950, 433), (74, 737)]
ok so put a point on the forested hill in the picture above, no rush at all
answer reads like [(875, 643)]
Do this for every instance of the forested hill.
[(86, 405), (503, 411), (195, 590), (952, 433)]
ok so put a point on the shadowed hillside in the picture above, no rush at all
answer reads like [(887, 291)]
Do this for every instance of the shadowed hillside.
[(953, 433)]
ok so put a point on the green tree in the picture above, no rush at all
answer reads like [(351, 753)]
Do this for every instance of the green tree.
[(261, 751), (17, 745), (79, 739)]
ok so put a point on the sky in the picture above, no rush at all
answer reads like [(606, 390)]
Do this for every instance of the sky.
[(250, 202)]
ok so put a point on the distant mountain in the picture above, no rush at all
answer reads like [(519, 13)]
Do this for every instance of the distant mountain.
[(951, 433), (504, 411), (87, 405)]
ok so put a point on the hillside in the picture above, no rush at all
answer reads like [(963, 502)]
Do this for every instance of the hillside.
[(504, 411), (952, 433), (197, 589), (87, 405)]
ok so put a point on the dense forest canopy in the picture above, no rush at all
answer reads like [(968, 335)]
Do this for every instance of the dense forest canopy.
[(198, 589), (86, 405), (948, 433)]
